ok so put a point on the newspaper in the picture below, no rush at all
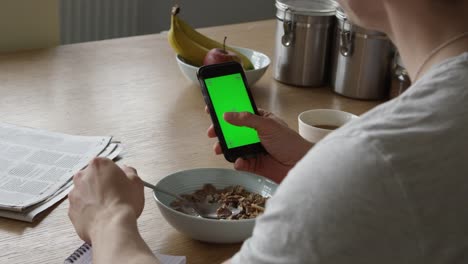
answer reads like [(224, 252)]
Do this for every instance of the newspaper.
[(36, 165), (29, 214)]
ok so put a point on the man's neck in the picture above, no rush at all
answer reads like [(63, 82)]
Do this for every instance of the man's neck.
[(418, 42)]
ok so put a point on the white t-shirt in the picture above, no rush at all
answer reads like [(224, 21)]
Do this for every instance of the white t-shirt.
[(390, 187)]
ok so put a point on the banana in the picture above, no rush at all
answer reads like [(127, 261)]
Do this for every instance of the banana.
[(210, 43), (192, 45), (191, 51)]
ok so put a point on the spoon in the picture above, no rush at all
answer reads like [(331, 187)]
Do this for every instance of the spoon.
[(204, 210)]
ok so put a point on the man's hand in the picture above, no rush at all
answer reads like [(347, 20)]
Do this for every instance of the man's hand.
[(103, 191), (285, 147), (104, 206)]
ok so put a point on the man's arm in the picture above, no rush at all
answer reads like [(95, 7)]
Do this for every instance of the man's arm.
[(117, 240), (104, 206)]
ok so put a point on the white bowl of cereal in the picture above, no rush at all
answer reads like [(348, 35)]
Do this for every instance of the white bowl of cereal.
[(228, 229)]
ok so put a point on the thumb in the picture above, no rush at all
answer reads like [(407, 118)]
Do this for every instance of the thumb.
[(247, 119)]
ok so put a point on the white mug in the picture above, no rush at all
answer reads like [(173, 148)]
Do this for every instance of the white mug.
[(317, 123)]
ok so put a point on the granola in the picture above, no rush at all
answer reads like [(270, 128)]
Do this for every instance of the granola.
[(234, 201)]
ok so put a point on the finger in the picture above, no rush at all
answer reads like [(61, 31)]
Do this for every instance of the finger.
[(248, 119), (134, 178), (70, 213), (262, 112), (207, 110), (243, 164), (217, 148), (72, 199), (211, 132), (129, 170), (131, 174), (97, 162), (72, 196), (96, 166), (77, 177)]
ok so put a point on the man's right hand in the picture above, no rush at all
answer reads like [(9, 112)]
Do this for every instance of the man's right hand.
[(285, 147)]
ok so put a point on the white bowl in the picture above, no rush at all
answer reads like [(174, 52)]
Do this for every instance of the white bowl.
[(210, 230), (258, 59), (310, 119)]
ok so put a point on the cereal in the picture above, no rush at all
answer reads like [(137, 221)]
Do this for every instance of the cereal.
[(234, 201)]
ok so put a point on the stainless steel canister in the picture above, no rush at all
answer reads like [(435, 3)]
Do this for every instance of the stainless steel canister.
[(304, 30), (361, 61), (401, 74)]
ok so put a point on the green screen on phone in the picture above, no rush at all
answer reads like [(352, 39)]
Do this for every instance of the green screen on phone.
[(229, 94)]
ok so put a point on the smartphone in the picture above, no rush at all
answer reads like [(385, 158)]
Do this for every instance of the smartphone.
[(225, 89)]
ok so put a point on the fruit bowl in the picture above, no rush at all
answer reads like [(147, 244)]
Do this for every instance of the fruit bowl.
[(258, 59)]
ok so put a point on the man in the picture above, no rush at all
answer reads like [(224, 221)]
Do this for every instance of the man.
[(388, 188)]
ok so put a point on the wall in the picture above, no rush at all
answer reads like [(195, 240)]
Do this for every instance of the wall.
[(202, 13), (28, 24), (86, 20)]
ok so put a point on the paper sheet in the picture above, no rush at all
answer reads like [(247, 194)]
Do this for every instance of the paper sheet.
[(28, 215), (84, 255), (35, 164)]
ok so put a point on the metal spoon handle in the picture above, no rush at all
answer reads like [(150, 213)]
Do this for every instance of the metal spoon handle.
[(157, 189), (188, 204), (149, 185)]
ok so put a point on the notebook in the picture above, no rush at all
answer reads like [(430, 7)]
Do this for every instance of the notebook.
[(84, 255)]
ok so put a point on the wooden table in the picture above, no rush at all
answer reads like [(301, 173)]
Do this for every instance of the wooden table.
[(132, 89)]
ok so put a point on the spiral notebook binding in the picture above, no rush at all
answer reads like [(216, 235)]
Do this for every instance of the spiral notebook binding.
[(75, 256)]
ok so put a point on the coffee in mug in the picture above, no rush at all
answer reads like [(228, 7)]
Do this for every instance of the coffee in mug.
[(317, 123)]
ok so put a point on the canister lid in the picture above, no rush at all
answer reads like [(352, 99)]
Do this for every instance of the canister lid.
[(308, 7), (344, 23), (340, 13)]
